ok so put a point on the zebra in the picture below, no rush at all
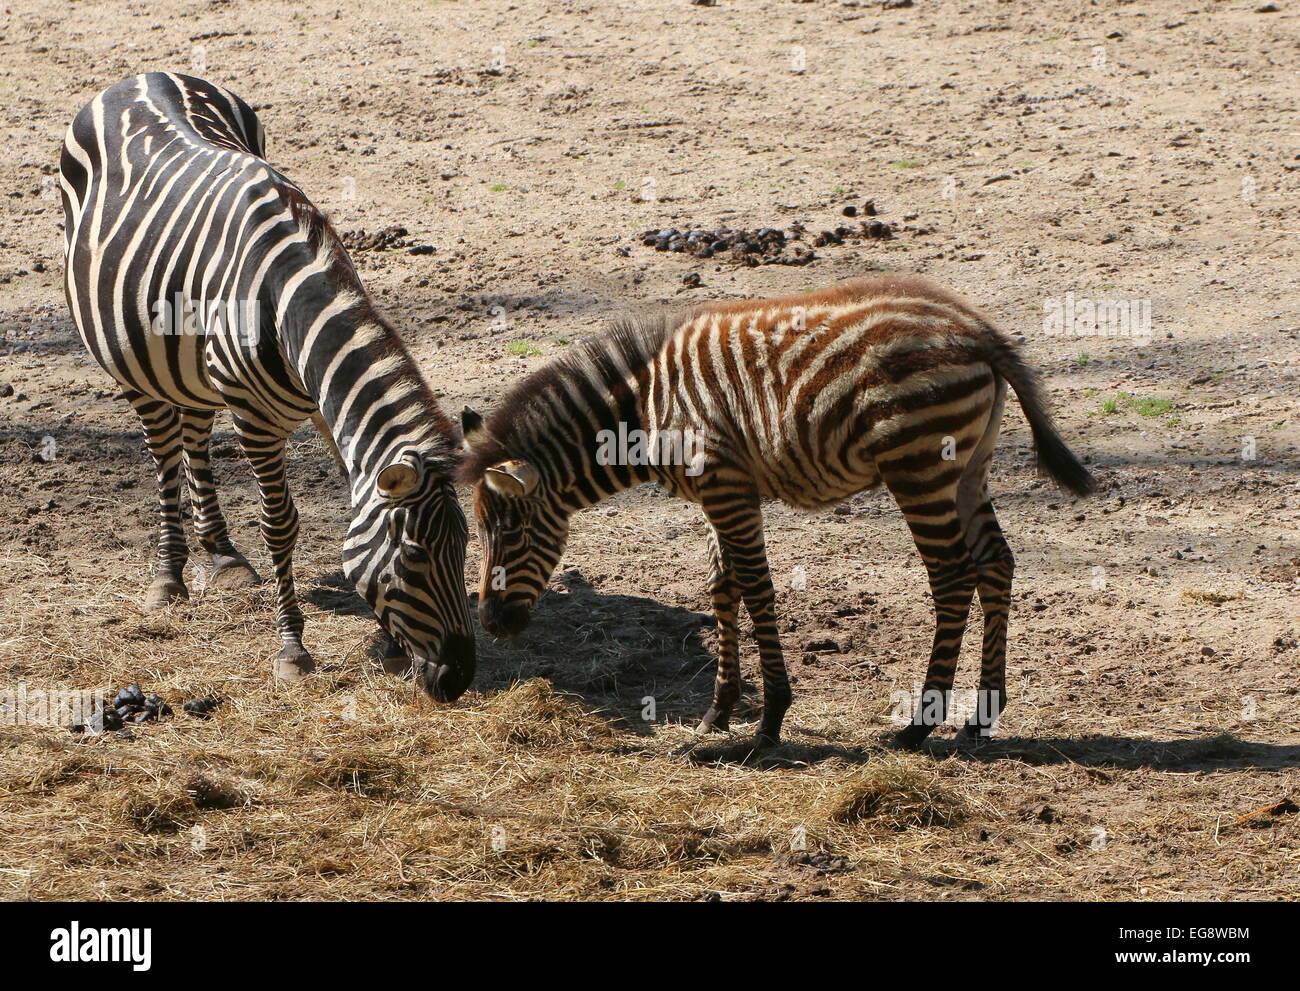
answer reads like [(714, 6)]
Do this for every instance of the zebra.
[(168, 199), (807, 399)]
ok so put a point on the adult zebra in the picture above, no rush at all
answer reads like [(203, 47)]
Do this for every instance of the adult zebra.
[(808, 399), (201, 278)]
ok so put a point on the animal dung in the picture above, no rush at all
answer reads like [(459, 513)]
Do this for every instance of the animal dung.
[(394, 236), (202, 708), (130, 705), (760, 247), (765, 246)]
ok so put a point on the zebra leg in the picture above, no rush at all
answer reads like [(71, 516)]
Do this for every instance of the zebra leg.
[(996, 566), (937, 530), (264, 447), (230, 569), (737, 518), (162, 431), (725, 600)]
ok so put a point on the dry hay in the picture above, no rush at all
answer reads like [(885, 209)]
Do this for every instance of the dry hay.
[(353, 785)]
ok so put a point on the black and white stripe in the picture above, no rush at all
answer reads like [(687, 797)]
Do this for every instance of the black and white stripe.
[(167, 196)]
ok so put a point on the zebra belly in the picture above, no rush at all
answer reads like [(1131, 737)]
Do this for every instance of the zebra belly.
[(159, 361)]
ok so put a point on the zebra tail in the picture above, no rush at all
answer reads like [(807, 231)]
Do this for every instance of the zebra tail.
[(1054, 457)]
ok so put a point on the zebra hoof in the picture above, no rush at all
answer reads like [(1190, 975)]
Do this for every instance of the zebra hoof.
[(293, 664), (972, 735), (163, 592), (714, 721), (232, 571), (911, 737)]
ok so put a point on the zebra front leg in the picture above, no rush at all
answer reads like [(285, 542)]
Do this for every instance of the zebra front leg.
[(162, 431), (264, 447), (734, 511), (723, 595), (230, 569)]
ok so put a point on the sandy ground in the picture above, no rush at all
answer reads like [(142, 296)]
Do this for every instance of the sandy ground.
[(1022, 153)]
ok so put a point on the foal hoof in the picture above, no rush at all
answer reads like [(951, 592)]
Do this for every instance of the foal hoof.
[(714, 721), (972, 735), (163, 592), (911, 737), (232, 571), (293, 664)]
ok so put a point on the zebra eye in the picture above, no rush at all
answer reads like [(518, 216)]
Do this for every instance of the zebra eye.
[(415, 554)]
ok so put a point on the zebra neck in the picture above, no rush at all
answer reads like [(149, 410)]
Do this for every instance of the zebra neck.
[(604, 458), (372, 397)]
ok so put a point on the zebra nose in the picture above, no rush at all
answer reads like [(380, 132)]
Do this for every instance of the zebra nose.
[(447, 679), (502, 618)]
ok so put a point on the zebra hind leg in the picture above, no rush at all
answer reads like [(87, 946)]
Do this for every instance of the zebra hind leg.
[(230, 569), (725, 600), (996, 566), (732, 507), (937, 530), (264, 445), (162, 431)]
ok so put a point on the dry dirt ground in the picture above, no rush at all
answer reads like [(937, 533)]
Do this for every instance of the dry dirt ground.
[(1020, 152)]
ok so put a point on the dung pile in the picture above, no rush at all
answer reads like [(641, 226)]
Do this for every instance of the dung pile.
[(764, 246), (130, 705), (394, 236)]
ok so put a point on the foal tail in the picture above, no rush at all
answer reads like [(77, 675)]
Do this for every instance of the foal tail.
[(1054, 457)]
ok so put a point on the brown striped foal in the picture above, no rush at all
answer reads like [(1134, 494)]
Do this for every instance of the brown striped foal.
[(808, 399)]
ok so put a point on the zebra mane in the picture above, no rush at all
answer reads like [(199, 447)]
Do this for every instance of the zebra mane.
[(440, 446), (599, 364), (321, 236)]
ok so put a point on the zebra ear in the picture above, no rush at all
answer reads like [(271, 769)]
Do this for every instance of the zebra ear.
[(397, 481), (471, 429), (511, 478)]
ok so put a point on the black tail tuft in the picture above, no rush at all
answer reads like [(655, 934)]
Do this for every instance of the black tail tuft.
[(1054, 457), (1057, 460)]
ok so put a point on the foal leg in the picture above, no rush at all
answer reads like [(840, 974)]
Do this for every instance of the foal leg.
[(937, 530), (162, 431), (995, 565), (732, 506), (263, 444), (726, 601), (230, 569)]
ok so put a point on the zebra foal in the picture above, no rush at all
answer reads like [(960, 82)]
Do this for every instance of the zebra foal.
[(807, 399), (201, 279)]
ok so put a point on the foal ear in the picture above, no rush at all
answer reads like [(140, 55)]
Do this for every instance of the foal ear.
[(471, 429), (397, 481), (513, 478)]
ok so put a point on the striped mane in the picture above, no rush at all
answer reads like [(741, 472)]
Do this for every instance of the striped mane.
[(598, 366)]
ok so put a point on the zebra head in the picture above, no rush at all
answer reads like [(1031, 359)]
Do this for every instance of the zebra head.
[(405, 552), (523, 529)]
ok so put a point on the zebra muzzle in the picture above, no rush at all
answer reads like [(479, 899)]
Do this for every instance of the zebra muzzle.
[(447, 678), (503, 619)]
